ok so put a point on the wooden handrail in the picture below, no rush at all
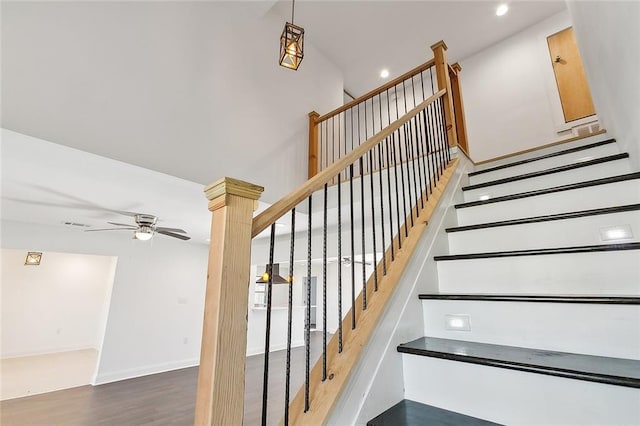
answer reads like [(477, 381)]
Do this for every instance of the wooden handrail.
[(377, 91), (280, 208)]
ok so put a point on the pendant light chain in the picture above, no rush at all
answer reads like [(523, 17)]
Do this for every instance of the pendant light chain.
[(293, 8)]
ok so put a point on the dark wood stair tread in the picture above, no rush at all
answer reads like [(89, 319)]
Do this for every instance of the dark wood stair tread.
[(548, 218), (541, 252), (561, 188), (542, 157), (586, 299), (411, 413), (553, 170), (613, 371)]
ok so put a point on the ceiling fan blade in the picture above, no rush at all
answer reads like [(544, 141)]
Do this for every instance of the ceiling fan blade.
[(171, 234), (123, 224), (162, 228), (109, 229)]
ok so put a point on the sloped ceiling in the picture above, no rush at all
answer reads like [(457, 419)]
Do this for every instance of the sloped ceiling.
[(134, 82)]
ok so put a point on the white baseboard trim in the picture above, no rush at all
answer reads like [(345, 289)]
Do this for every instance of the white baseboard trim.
[(47, 351), (130, 373), (260, 350)]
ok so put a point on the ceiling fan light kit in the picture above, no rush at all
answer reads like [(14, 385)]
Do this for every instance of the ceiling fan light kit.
[(145, 228)]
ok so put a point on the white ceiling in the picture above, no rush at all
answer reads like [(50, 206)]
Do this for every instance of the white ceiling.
[(363, 37), (49, 184)]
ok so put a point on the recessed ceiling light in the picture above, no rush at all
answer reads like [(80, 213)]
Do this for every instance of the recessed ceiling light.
[(502, 9), (384, 73), (484, 197)]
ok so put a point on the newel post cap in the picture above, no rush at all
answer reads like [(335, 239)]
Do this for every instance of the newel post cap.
[(230, 186), (439, 44), (456, 67)]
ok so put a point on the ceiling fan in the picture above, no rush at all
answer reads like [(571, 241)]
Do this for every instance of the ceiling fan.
[(347, 261), (145, 228)]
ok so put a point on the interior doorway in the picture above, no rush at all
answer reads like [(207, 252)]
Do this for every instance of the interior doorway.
[(53, 320), (571, 80)]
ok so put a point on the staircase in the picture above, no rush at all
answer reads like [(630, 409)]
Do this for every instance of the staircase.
[(537, 318)]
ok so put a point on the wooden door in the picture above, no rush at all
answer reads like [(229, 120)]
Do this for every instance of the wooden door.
[(570, 78)]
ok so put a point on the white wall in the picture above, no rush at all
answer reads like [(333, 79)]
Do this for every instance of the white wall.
[(196, 83), (511, 100), (609, 41), (57, 306), (157, 302)]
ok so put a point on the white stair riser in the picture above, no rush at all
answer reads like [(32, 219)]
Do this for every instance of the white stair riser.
[(544, 151), (547, 163), (515, 397), (616, 272), (614, 194), (592, 329), (596, 171), (581, 231)]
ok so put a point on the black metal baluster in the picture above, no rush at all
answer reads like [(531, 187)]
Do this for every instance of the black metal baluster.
[(436, 152), (351, 128), (442, 134), (422, 156), (446, 135), (342, 125), (289, 320), (404, 94), (409, 162), (373, 223), (380, 105), (395, 90), (393, 254), (353, 273), (404, 187), (412, 142), (395, 166), (433, 90), (366, 134), (404, 194), (320, 148), (339, 263), (416, 143), (324, 287), (388, 109), (424, 98), (427, 142), (384, 245), (265, 379), (307, 322), (364, 276), (326, 143), (413, 90)]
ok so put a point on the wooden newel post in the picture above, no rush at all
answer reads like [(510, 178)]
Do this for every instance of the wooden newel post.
[(313, 144), (458, 106), (442, 72), (220, 397)]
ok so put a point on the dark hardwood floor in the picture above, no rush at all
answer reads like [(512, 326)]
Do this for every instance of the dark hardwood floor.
[(159, 399)]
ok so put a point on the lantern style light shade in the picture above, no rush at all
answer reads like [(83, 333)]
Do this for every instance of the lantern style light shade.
[(291, 46)]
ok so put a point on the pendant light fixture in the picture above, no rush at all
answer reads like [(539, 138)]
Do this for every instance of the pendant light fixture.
[(291, 43)]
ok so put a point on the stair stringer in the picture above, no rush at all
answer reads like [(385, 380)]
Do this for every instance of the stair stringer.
[(377, 381)]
